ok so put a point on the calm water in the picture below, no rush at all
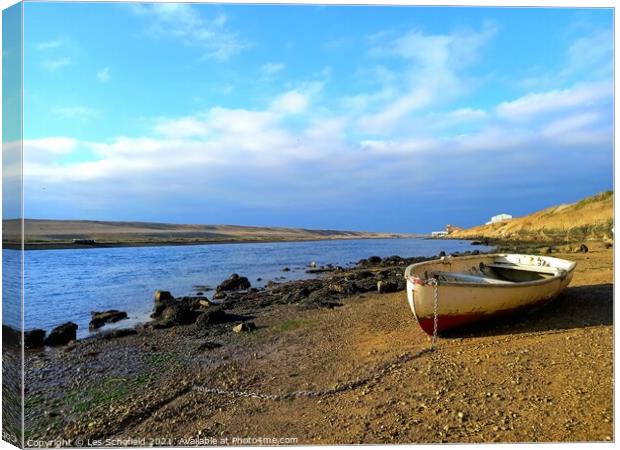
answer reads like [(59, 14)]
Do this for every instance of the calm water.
[(62, 285)]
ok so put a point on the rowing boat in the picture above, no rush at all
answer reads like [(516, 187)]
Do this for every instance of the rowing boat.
[(459, 291)]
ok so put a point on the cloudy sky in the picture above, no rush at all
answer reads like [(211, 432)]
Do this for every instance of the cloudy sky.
[(365, 118)]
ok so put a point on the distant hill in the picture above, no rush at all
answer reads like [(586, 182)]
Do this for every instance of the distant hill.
[(61, 233), (590, 218)]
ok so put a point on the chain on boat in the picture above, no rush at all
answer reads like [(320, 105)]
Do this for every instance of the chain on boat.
[(379, 373)]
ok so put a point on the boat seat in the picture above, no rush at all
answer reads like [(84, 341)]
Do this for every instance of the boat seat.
[(459, 277), (537, 269)]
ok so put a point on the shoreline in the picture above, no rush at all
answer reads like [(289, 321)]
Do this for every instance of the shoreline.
[(513, 380), (71, 246)]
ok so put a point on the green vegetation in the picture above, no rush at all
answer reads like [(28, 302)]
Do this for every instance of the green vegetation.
[(289, 325), (595, 198), (110, 390)]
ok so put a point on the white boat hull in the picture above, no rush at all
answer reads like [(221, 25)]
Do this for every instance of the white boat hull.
[(470, 296)]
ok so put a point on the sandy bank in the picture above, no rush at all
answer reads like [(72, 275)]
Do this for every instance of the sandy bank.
[(543, 377)]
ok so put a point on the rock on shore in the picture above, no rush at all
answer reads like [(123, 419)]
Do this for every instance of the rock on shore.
[(62, 335)]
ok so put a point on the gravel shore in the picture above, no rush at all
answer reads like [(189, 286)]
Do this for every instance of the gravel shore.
[(547, 376)]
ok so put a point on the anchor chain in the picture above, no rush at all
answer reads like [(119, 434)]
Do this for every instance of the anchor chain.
[(381, 371), (433, 282)]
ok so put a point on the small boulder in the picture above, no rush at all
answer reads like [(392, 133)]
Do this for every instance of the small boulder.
[(179, 314), (386, 286), (312, 265), (162, 300), (62, 335), (286, 269), (212, 316), (34, 338), (234, 283), (244, 327), (583, 248), (374, 260), (99, 319), (441, 254), (162, 296)]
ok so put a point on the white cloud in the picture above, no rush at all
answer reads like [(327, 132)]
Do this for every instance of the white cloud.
[(292, 102), (52, 65), (184, 22), (76, 112), (49, 45), (432, 74), (592, 54), (104, 75), (564, 100), (271, 68)]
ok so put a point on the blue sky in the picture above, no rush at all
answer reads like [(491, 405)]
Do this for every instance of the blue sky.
[(366, 118)]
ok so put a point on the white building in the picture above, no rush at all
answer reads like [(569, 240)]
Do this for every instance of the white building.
[(499, 218), (439, 233)]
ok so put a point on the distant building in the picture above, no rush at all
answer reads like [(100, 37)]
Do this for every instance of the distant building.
[(499, 218), (439, 233)]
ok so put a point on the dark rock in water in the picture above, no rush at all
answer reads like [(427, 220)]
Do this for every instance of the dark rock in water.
[(374, 260), (394, 260), (162, 296), (34, 338), (441, 254), (244, 327), (212, 316), (162, 300), (99, 319), (476, 243), (286, 269), (475, 252), (583, 248), (62, 334), (234, 283), (259, 279), (11, 337), (200, 293), (121, 332), (385, 287)]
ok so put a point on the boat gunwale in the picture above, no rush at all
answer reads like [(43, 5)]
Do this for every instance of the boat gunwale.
[(420, 281)]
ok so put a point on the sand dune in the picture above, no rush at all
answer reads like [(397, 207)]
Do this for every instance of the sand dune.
[(589, 218), (61, 233)]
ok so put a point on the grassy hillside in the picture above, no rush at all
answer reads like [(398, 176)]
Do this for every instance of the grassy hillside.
[(590, 218), (60, 233)]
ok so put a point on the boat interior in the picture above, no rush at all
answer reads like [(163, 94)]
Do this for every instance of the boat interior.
[(499, 271)]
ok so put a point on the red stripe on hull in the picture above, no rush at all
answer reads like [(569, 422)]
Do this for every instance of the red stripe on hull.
[(447, 322)]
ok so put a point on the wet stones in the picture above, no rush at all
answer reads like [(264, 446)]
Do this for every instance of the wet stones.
[(162, 300), (212, 316), (234, 283), (244, 327), (62, 335), (34, 338), (99, 319)]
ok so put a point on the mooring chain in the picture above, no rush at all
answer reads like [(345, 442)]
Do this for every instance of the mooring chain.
[(433, 282), (382, 370)]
